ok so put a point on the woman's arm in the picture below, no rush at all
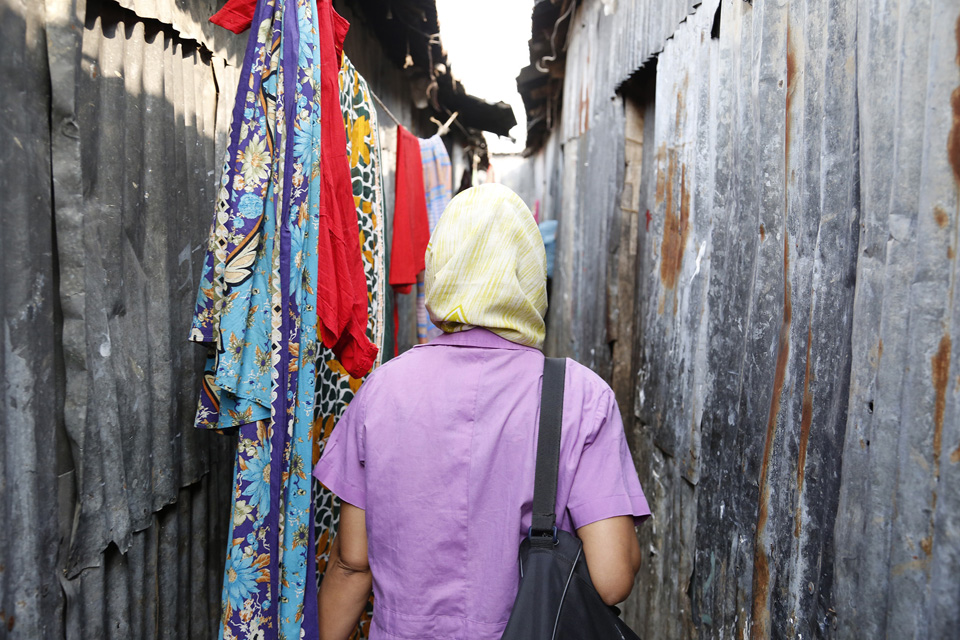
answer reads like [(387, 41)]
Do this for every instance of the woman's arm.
[(346, 584), (613, 556)]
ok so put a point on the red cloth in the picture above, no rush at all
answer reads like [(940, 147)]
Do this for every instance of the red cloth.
[(411, 228), (341, 281), (236, 15)]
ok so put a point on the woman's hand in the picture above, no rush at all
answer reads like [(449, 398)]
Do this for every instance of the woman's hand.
[(347, 582), (613, 556)]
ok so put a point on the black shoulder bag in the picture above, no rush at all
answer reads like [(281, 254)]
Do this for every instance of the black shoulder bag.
[(556, 599)]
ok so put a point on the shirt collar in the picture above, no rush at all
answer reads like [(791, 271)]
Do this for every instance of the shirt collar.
[(477, 337)]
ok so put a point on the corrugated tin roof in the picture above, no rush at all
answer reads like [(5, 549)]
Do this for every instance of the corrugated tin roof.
[(615, 39), (190, 20), (624, 34), (411, 28)]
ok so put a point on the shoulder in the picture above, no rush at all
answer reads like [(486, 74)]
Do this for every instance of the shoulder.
[(397, 373), (585, 375), (397, 366), (583, 382), (589, 403)]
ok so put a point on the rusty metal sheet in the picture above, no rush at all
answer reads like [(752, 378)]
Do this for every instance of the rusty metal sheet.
[(900, 543), (30, 605), (671, 310), (794, 418), (607, 42)]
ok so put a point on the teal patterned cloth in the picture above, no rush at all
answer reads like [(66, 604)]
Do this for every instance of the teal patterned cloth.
[(256, 312)]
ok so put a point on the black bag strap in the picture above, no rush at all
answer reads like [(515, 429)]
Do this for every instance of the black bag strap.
[(544, 527)]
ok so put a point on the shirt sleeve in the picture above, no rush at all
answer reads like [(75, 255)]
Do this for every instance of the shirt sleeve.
[(605, 484), (341, 466)]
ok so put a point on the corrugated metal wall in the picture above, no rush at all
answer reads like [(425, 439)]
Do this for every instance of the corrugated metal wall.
[(770, 217), (609, 40), (118, 506), (116, 114), (28, 409)]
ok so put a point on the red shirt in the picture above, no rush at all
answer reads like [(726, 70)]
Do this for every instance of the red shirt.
[(411, 228)]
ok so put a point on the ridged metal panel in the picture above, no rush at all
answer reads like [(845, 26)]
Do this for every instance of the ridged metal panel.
[(607, 42), (795, 369), (115, 508), (191, 22), (129, 253), (30, 603), (898, 541)]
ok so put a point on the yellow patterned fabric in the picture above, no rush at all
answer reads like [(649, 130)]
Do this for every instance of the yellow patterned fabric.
[(486, 267)]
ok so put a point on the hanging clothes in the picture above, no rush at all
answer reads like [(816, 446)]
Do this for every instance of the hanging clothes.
[(257, 312), (437, 177), (341, 290), (437, 184), (411, 228), (335, 387), (341, 283)]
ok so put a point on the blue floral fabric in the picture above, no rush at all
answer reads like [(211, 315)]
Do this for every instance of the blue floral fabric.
[(256, 312)]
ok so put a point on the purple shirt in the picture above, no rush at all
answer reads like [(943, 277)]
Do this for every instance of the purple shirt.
[(439, 448)]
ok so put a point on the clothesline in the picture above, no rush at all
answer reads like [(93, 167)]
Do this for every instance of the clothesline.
[(384, 107), (397, 120)]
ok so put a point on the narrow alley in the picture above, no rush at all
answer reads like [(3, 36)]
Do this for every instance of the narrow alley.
[(750, 215)]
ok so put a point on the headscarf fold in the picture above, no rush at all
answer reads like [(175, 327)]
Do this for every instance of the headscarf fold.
[(486, 267)]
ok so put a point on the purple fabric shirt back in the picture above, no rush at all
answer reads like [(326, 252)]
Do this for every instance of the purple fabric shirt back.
[(439, 448)]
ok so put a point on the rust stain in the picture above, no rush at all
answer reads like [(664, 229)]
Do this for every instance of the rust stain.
[(680, 106), (940, 374), (927, 545), (955, 456), (880, 349), (806, 418), (760, 624), (951, 254), (763, 233), (953, 139), (956, 35), (940, 216), (760, 627), (909, 566), (681, 101), (675, 227), (791, 87), (940, 365), (11, 622)]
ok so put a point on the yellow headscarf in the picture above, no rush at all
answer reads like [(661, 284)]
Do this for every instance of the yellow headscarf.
[(486, 267)]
